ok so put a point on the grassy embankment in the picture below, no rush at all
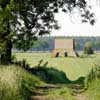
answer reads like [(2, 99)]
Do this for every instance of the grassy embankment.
[(16, 83)]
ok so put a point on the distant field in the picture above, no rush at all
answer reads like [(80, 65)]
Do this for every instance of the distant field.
[(73, 67)]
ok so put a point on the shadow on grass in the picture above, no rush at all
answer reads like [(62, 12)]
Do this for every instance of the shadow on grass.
[(50, 75), (87, 56)]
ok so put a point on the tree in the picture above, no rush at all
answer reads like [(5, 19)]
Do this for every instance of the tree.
[(77, 46), (22, 21), (88, 48), (6, 21), (97, 45)]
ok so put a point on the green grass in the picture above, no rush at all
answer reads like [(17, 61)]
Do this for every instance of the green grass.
[(16, 83), (60, 94), (93, 92), (72, 67)]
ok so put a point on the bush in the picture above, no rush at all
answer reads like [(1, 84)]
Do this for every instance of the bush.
[(88, 48), (50, 75)]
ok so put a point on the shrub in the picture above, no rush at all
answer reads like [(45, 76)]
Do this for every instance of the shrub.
[(50, 75), (88, 48)]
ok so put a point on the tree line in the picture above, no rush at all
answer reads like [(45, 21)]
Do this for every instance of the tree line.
[(47, 44)]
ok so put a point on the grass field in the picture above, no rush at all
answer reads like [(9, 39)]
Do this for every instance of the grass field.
[(18, 84), (72, 67)]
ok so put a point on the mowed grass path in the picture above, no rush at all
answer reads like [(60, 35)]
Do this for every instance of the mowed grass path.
[(72, 67)]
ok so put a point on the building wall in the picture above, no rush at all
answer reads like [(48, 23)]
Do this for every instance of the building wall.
[(63, 43)]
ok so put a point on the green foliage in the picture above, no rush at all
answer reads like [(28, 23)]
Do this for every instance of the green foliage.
[(97, 45), (50, 75), (30, 12), (7, 20), (88, 48), (41, 44), (77, 46)]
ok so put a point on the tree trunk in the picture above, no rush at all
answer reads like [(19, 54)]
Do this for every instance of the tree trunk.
[(6, 56)]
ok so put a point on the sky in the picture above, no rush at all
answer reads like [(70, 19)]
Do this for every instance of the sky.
[(70, 25)]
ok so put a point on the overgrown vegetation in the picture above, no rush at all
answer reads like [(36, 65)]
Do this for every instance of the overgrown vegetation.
[(93, 75), (16, 83), (50, 75), (92, 84), (93, 91)]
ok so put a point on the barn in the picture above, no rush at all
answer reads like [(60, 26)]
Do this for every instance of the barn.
[(64, 47)]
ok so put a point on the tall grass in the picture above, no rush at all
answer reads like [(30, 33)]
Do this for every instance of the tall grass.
[(93, 91), (93, 75), (93, 84), (16, 83)]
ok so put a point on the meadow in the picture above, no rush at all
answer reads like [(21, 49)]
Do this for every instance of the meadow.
[(72, 67), (51, 78)]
